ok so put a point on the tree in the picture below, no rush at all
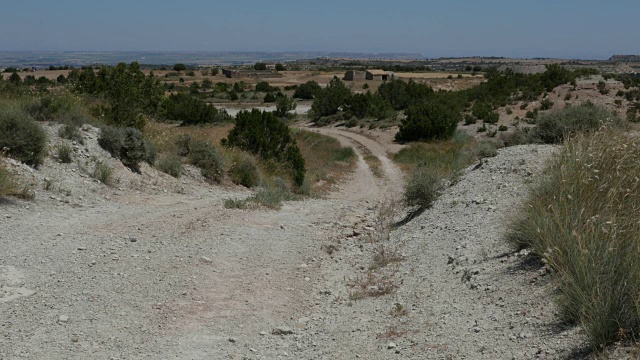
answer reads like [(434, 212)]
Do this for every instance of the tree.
[(329, 100), (260, 66), (280, 67), (192, 111), (263, 86), (129, 93), (263, 134), (428, 120), (215, 71), (15, 79), (179, 67), (284, 105), (207, 84), (307, 90), (61, 79), (269, 98)]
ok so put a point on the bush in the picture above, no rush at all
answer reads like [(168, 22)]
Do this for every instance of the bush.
[(23, 136), (171, 165), (126, 144), (51, 106), (582, 219), (284, 105), (260, 66), (205, 156), (428, 120), (307, 91), (486, 149), (330, 99), (191, 111), (248, 134), (555, 126), (64, 153), (264, 86), (503, 128), (102, 172), (244, 171), (546, 104), (469, 119), (422, 188), (269, 98)]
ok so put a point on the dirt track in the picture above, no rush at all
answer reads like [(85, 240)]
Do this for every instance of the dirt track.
[(171, 276)]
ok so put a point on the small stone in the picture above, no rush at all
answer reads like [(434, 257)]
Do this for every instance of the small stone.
[(206, 259), (282, 330), (263, 333), (233, 340), (63, 318), (391, 345), (82, 248), (133, 239), (253, 350)]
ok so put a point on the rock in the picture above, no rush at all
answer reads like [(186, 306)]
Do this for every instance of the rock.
[(133, 239), (282, 330), (206, 259), (263, 333), (391, 345), (63, 318), (82, 248), (303, 320), (233, 340)]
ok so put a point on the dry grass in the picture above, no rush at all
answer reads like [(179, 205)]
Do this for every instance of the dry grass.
[(7, 184), (375, 165), (327, 161), (583, 219), (373, 284), (165, 136)]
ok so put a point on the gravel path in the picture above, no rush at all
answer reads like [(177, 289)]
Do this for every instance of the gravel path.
[(149, 274)]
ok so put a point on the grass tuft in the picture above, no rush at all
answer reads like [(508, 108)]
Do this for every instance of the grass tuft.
[(583, 219)]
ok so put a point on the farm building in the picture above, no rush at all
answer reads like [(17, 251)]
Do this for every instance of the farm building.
[(257, 74), (352, 75), (378, 75)]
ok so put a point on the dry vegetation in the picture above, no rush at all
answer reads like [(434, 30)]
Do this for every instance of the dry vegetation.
[(582, 220)]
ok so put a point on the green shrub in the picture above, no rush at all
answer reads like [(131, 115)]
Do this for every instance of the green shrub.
[(503, 128), (103, 173), (244, 171), (51, 106), (582, 219), (171, 165), (329, 99), (183, 143), (269, 98), (205, 156), (486, 149), (546, 104), (191, 111), (22, 135), (64, 153), (307, 91), (428, 120), (422, 187), (249, 134), (469, 119), (126, 144), (553, 127), (284, 105)]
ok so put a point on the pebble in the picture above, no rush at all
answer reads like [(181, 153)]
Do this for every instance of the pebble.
[(391, 345), (233, 340), (206, 259), (63, 318)]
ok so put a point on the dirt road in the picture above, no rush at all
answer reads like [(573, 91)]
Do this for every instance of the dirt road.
[(171, 276)]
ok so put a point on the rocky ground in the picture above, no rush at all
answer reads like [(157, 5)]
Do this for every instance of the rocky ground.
[(156, 268)]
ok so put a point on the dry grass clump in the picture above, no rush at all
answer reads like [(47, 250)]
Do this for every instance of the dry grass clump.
[(327, 161), (583, 219), (7, 185)]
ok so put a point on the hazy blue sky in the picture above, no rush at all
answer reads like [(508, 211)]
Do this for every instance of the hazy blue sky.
[(563, 28)]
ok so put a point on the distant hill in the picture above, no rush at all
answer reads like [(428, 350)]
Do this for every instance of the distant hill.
[(625, 58), (41, 59)]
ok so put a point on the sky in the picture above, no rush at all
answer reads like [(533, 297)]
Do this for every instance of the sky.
[(585, 29)]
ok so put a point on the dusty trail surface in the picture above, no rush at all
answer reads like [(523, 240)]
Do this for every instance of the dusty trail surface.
[(171, 276)]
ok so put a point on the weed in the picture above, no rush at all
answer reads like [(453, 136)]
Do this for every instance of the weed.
[(171, 165), (102, 172), (64, 153), (244, 171)]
